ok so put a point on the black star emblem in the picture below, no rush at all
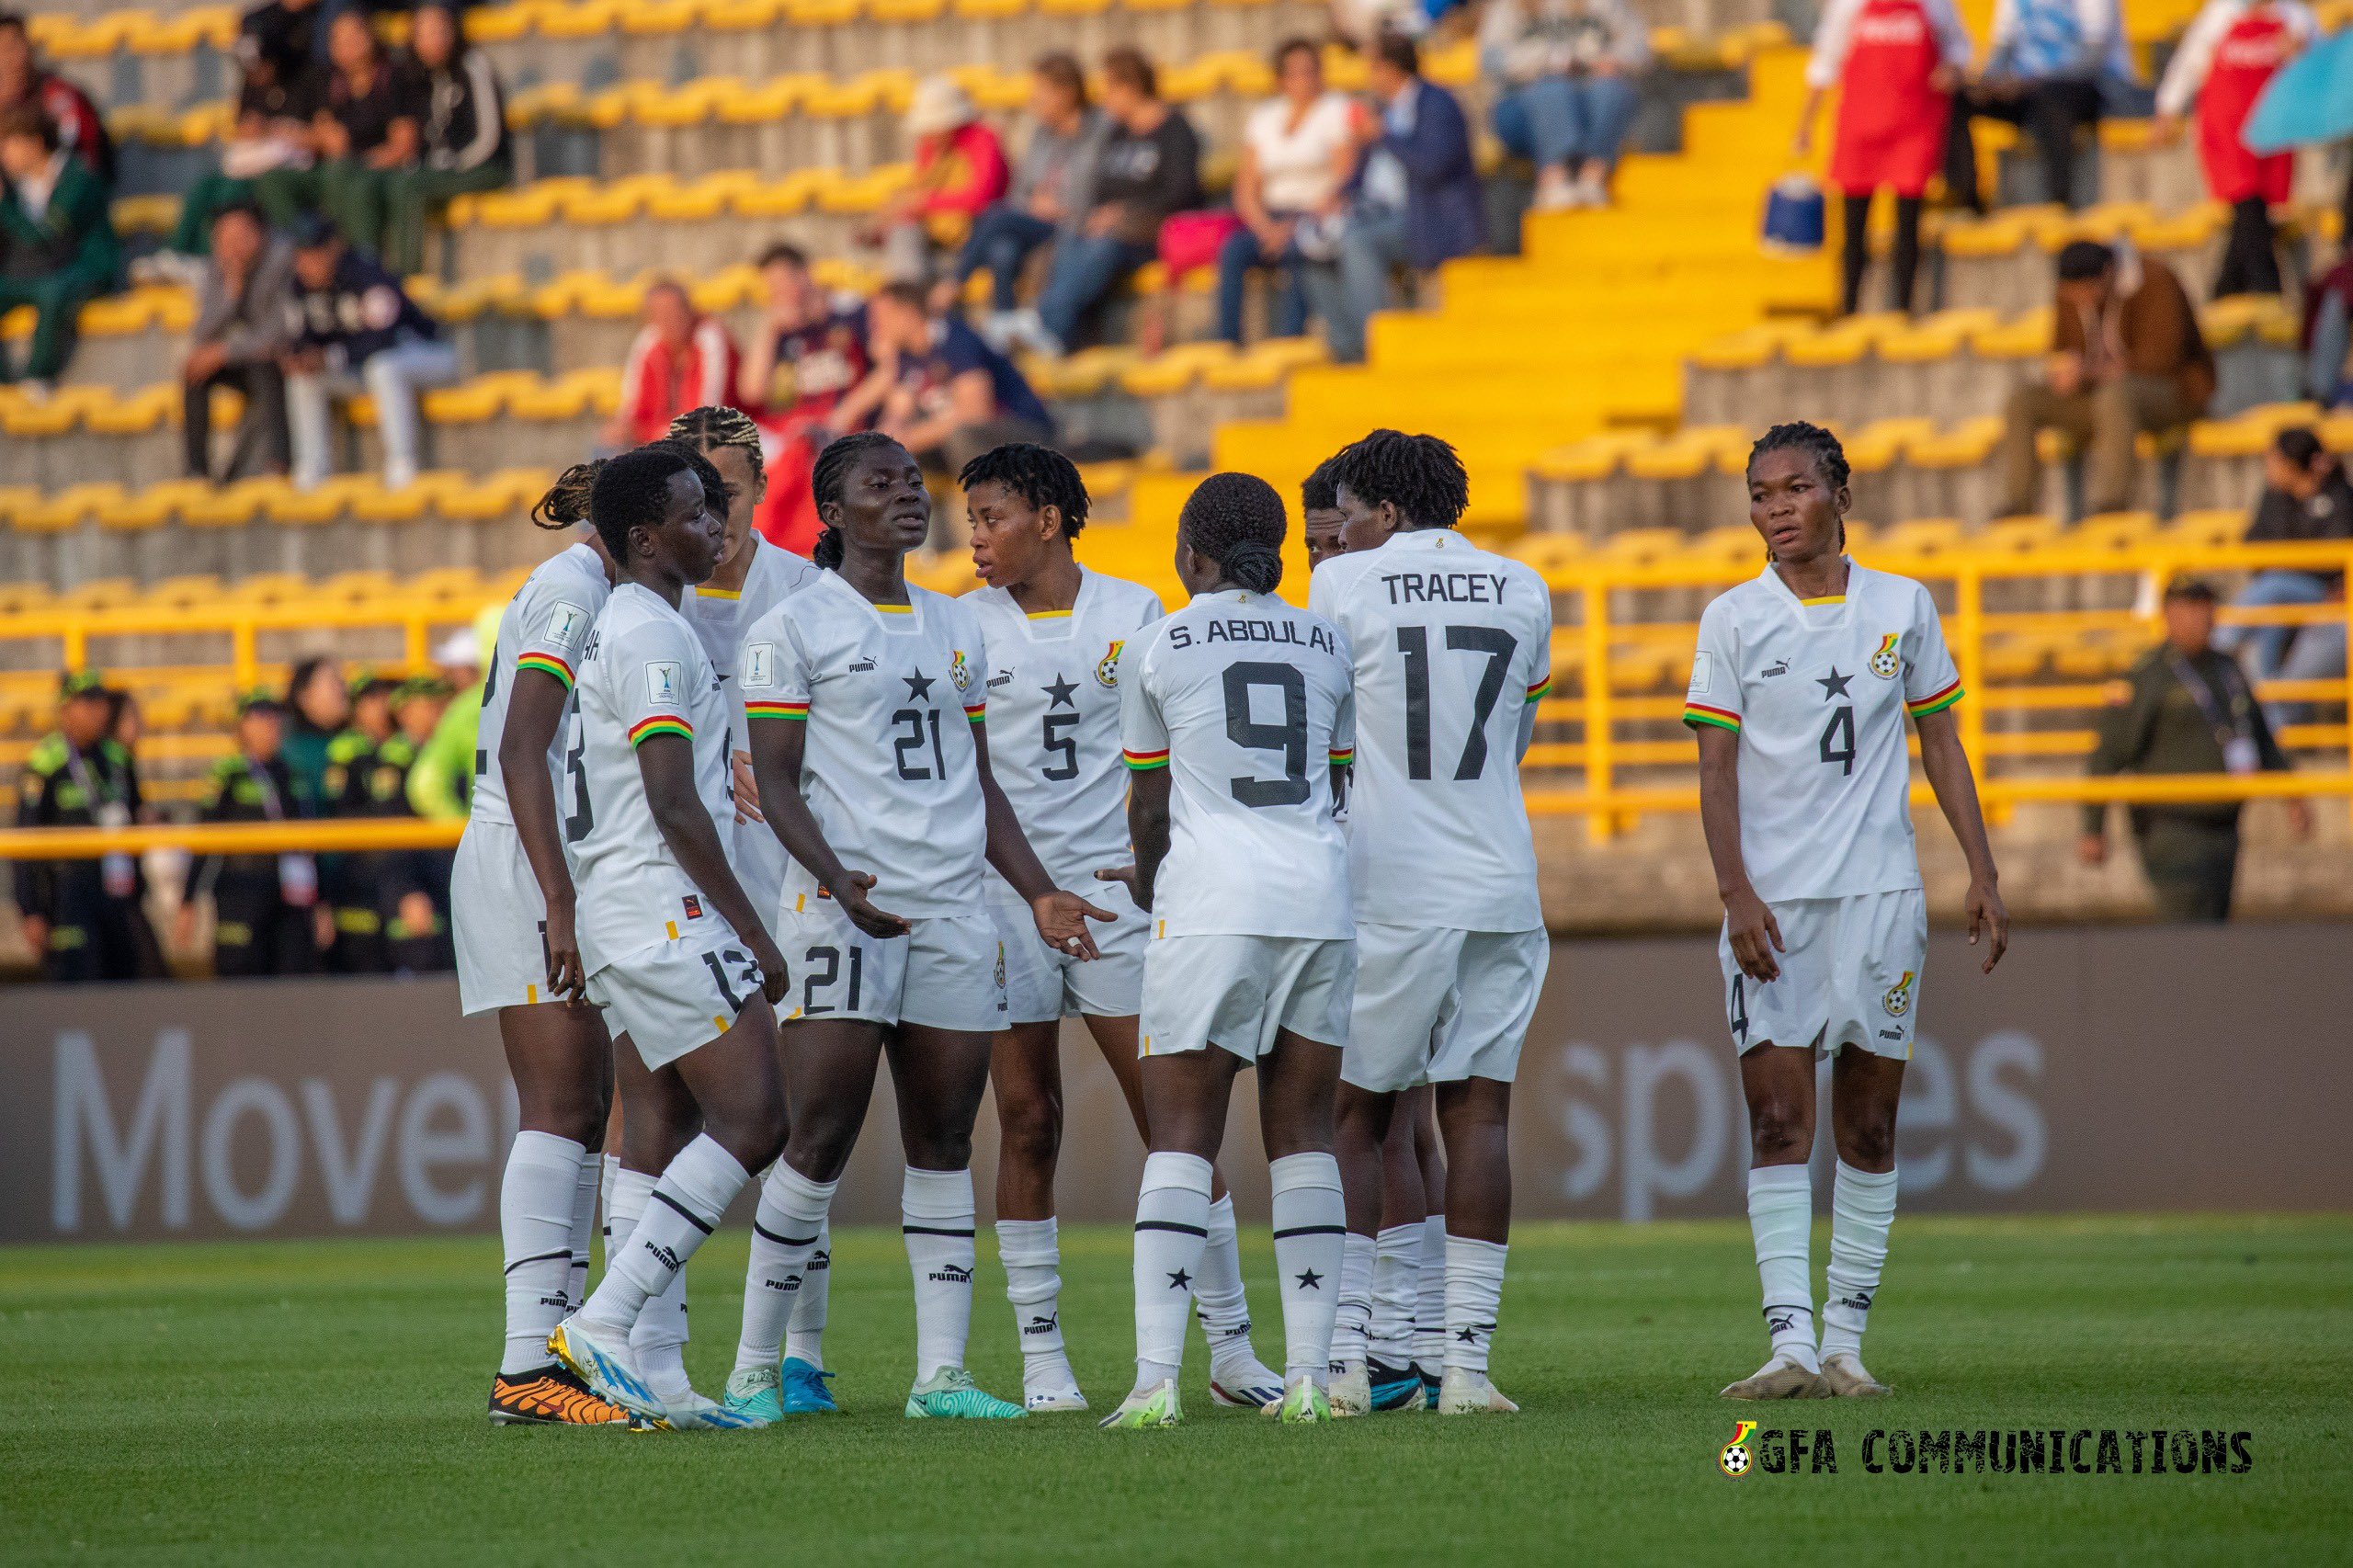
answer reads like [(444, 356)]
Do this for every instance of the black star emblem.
[(1060, 693), (918, 685), (1311, 1280), (1465, 1335), (1832, 684), (1178, 1280)]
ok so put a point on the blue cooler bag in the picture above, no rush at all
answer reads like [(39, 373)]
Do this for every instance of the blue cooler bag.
[(1795, 216)]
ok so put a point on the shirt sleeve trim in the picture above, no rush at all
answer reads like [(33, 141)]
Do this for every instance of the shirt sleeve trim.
[(1145, 761), (1697, 713), (1936, 702), (1541, 688), (660, 724), (548, 664), (797, 712)]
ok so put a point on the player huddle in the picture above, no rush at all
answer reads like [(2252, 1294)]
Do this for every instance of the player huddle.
[(774, 820)]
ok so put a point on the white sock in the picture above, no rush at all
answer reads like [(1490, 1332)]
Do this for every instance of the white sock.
[(1862, 1206), (1780, 1216), (608, 1171), (936, 1217), (1429, 1297), (1474, 1293), (685, 1206), (804, 1333), (1031, 1253), (658, 1342), (1311, 1228), (1396, 1294), (787, 1230), (624, 1201), (535, 1202), (1172, 1235), (1353, 1316), (583, 1229), (1218, 1295)]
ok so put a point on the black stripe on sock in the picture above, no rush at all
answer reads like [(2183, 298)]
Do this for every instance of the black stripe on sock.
[(691, 1219), (767, 1235), (933, 1231), (1772, 1307), (1170, 1225), (565, 1254), (1311, 1231)]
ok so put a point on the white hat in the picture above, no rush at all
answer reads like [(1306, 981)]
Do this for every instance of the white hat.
[(939, 104), (460, 650)]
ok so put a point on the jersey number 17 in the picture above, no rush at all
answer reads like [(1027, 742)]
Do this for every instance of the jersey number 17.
[(1414, 642)]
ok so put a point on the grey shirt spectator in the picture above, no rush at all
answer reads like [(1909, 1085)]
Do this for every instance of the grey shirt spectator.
[(1060, 163), (243, 300)]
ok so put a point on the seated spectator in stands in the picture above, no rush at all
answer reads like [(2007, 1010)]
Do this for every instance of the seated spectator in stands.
[(356, 330), (278, 95), (266, 915), (1416, 196), (679, 359), (2327, 338), (1298, 150), (295, 30), (2185, 708), (2126, 355), (2220, 66), (365, 134), (1896, 64), (57, 243), (81, 130), (807, 354), (958, 173), (937, 388), (241, 331), (2305, 497), (462, 134), (1049, 197), (1563, 79), (2044, 69), (1150, 168)]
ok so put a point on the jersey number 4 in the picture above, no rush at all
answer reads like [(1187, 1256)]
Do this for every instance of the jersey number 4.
[(1414, 642)]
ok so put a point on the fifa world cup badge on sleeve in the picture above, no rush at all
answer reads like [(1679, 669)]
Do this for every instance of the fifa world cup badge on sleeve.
[(662, 681)]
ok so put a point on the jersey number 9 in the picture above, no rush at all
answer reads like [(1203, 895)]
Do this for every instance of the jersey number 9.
[(1289, 737)]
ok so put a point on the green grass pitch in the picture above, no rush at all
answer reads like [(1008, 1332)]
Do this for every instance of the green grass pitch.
[(323, 1401)]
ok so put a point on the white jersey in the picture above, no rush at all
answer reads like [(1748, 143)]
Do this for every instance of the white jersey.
[(1452, 645), (645, 675), (1053, 725), (1248, 703), (544, 627), (890, 694), (721, 617), (1817, 691)]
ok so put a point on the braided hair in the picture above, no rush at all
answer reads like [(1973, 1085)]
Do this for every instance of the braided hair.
[(1419, 475), (716, 491), (1040, 475), (1236, 520), (566, 505), (826, 482), (1817, 444), (709, 428), (630, 491)]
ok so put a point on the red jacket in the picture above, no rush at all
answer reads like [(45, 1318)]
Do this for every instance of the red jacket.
[(660, 382)]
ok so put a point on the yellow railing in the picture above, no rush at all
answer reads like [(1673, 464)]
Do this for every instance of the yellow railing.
[(75, 630)]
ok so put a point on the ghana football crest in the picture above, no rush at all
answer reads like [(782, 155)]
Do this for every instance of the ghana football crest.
[(1897, 998), (959, 670), (1885, 663), (1106, 668)]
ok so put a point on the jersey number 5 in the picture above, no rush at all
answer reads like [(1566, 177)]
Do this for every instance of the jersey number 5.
[(577, 825), (1414, 642), (1289, 737)]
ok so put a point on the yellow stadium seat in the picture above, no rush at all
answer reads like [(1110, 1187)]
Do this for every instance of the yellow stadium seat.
[(1922, 538), (68, 507), (271, 588), (183, 593), (2207, 531), (233, 505), (2118, 531), (106, 592), (332, 498), (151, 507), (470, 404)]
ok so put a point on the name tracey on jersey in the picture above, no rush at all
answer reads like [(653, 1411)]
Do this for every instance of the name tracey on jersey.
[(1244, 631), (1445, 587)]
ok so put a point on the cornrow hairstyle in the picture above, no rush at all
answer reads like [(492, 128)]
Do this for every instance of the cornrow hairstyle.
[(1236, 520), (1797, 436), (826, 482), (707, 429), (1319, 492), (1419, 475), (566, 505), (630, 491), (1040, 475), (715, 489)]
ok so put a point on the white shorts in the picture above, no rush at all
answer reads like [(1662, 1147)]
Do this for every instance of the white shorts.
[(497, 922), (1041, 985), (1850, 976), (1438, 1006), (1236, 991), (948, 972), (676, 996)]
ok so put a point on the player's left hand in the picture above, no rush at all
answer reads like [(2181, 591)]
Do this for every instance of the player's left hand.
[(775, 980), (1126, 877), (1989, 915), (1062, 920), (747, 791)]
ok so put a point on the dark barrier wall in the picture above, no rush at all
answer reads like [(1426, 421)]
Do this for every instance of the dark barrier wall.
[(2127, 1069)]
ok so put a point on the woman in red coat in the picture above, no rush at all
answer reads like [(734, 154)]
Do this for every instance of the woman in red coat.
[(1895, 63), (2225, 60)]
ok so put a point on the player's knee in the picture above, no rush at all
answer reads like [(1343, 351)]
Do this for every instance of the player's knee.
[(573, 1110), (819, 1146), (1778, 1134), (945, 1149), (1030, 1131), (1869, 1145)]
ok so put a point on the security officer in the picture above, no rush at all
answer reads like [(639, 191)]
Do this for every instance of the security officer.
[(351, 782), (2185, 708), (264, 906), (87, 918)]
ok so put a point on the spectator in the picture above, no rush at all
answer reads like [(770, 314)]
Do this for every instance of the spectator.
[(241, 332), (288, 30), (1051, 192), (1150, 168), (57, 242), (413, 892), (679, 359), (2305, 498), (2044, 69), (2185, 708), (2327, 339), (85, 919), (1416, 196), (461, 136), (1562, 76), (807, 354), (937, 388), (2229, 54), (317, 707), (355, 330), (440, 782), (365, 134), (1895, 63), (81, 130), (355, 785), (265, 914), (278, 96), (1297, 149), (958, 173), (2126, 355)]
